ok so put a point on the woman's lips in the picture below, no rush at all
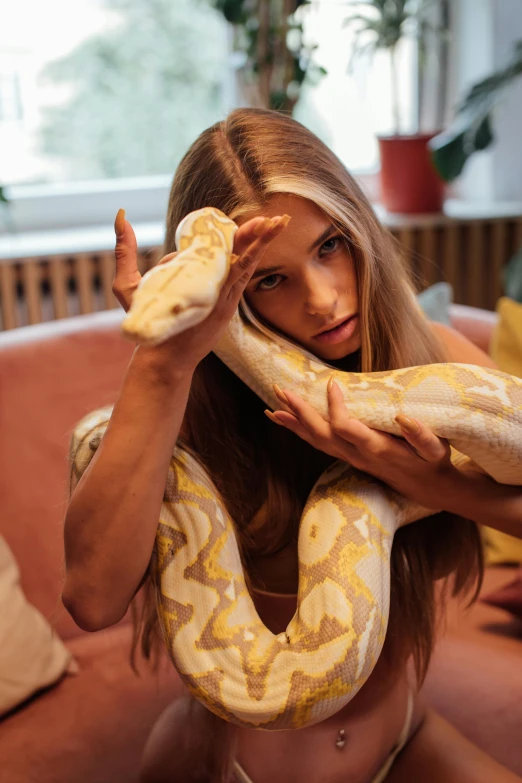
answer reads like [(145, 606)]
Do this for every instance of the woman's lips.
[(340, 333)]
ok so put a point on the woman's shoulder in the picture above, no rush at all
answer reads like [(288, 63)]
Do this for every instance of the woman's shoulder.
[(458, 348)]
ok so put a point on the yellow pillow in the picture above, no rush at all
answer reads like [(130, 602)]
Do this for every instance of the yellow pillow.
[(506, 340), (506, 351)]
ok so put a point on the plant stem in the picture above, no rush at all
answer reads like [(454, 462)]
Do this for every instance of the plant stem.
[(264, 68)]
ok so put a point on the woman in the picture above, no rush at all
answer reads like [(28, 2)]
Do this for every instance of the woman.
[(330, 280)]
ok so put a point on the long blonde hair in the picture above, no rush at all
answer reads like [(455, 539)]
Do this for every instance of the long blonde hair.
[(236, 166)]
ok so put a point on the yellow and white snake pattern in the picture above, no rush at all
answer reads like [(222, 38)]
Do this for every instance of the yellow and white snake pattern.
[(225, 655)]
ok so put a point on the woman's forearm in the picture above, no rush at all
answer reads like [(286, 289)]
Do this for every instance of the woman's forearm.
[(476, 496), (113, 513)]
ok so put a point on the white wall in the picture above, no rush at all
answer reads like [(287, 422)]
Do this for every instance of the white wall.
[(507, 154), (485, 31)]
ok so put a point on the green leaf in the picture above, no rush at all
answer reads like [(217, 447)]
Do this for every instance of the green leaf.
[(448, 154), (232, 10), (513, 277), (3, 198), (484, 135), (450, 150), (278, 100)]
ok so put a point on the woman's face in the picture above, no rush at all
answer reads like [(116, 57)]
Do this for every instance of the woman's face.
[(305, 283)]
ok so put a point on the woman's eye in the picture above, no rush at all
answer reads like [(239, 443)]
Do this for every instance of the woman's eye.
[(331, 244), (267, 280)]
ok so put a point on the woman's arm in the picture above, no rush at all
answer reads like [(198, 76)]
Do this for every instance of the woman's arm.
[(112, 517), (113, 513), (474, 495)]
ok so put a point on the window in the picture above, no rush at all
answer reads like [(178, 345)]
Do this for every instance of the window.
[(99, 99), (10, 102), (114, 88)]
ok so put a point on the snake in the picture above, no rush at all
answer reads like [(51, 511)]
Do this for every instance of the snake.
[(224, 654)]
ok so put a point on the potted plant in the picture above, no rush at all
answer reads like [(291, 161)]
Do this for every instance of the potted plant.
[(471, 129), (409, 181), (273, 60)]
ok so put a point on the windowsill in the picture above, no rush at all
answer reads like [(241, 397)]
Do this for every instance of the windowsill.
[(89, 239)]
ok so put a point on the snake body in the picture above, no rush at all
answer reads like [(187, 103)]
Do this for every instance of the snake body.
[(223, 652)]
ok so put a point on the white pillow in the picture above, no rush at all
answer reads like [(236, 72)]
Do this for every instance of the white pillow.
[(435, 302), (31, 655)]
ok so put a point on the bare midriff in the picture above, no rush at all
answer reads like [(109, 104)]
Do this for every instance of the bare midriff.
[(372, 721)]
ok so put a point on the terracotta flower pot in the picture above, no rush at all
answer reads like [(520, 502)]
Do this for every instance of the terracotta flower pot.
[(409, 180)]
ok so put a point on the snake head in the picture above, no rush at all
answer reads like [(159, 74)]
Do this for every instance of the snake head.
[(169, 299), (176, 295)]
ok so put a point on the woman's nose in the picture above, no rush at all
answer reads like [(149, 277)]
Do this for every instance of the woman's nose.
[(321, 298)]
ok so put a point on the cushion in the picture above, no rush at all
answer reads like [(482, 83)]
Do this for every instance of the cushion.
[(435, 302), (31, 655), (508, 597), (506, 351)]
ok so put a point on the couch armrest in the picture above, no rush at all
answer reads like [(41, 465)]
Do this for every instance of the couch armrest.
[(475, 324)]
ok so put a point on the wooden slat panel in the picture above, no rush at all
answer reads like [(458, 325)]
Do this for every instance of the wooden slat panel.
[(469, 254), (83, 274), (405, 238), (518, 234), (57, 271), (427, 256), (31, 280), (8, 295), (450, 259), (497, 260), (475, 280)]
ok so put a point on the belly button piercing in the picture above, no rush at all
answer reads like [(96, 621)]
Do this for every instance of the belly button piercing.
[(340, 741)]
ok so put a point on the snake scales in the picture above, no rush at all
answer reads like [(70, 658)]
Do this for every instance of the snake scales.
[(225, 655)]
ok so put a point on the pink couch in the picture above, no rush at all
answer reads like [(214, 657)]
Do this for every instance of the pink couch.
[(89, 728), (92, 727)]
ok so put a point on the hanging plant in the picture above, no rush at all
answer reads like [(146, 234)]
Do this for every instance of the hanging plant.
[(274, 59)]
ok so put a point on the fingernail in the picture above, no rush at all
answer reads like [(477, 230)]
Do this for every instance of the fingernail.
[(233, 258), (119, 223), (281, 221), (331, 380), (263, 227), (272, 417), (408, 425), (280, 394)]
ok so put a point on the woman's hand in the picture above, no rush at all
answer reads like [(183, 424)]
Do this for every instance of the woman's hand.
[(192, 345), (419, 467)]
